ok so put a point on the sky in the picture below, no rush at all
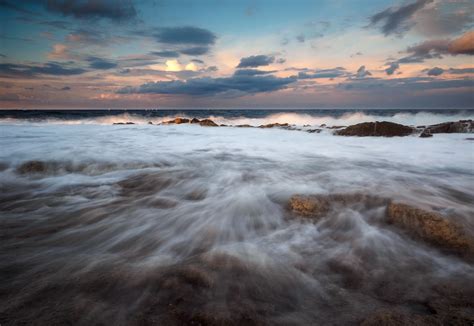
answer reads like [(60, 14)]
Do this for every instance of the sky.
[(236, 54)]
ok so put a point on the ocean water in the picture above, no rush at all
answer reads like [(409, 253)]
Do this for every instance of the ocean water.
[(183, 224)]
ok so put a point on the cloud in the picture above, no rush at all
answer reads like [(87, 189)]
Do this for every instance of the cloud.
[(10, 70), (9, 97), (435, 49), (100, 64), (252, 72), (256, 61), (60, 51), (463, 44), (393, 67), (118, 10), (460, 71), (197, 61), (323, 73), (198, 50), (66, 88), (395, 20), (436, 71), (407, 84), (184, 35), (444, 18), (362, 72), (166, 54), (239, 85), (300, 38)]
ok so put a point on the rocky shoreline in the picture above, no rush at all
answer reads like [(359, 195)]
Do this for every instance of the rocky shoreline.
[(364, 129)]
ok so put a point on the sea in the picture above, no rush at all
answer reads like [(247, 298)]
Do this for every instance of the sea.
[(150, 224)]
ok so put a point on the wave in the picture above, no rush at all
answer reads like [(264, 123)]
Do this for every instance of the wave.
[(329, 118)]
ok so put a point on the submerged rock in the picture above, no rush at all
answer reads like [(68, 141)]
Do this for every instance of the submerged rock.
[(244, 126), (317, 206), (426, 134), (208, 123), (384, 129), (32, 167), (124, 123), (461, 126), (420, 224), (312, 131), (430, 227)]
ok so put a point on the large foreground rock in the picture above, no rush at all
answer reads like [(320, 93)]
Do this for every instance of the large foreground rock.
[(420, 224), (430, 227), (318, 206), (462, 126), (384, 128)]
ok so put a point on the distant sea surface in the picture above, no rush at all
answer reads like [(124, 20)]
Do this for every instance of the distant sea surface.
[(239, 116)]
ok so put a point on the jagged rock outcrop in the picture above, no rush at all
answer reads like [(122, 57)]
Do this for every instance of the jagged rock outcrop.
[(461, 126)]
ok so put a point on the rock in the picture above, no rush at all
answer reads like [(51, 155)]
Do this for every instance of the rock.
[(271, 125), (317, 206), (176, 121), (469, 138), (426, 134), (336, 127), (384, 128), (32, 167), (323, 125), (129, 123), (194, 120), (222, 125), (312, 131), (124, 123), (461, 126), (150, 123), (244, 126), (208, 123), (430, 227)]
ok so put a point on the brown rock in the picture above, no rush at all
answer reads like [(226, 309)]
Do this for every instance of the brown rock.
[(384, 129), (194, 120), (244, 126), (208, 123), (32, 167), (430, 227), (462, 126), (317, 206), (271, 125), (176, 121)]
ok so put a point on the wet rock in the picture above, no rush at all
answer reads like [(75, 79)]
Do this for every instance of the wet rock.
[(124, 123), (207, 123), (384, 129), (426, 134), (176, 121), (129, 123), (336, 127), (430, 227), (461, 126), (244, 126), (271, 125), (312, 131), (32, 167), (194, 120), (317, 206), (222, 125)]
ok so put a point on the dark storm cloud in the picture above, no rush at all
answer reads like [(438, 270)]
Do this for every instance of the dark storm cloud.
[(116, 10), (100, 64), (362, 72), (460, 71), (13, 5), (252, 72), (395, 20), (323, 73), (436, 71), (183, 35), (393, 67), (166, 54), (256, 61), (10, 70), (198, 50), (212, 86)]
